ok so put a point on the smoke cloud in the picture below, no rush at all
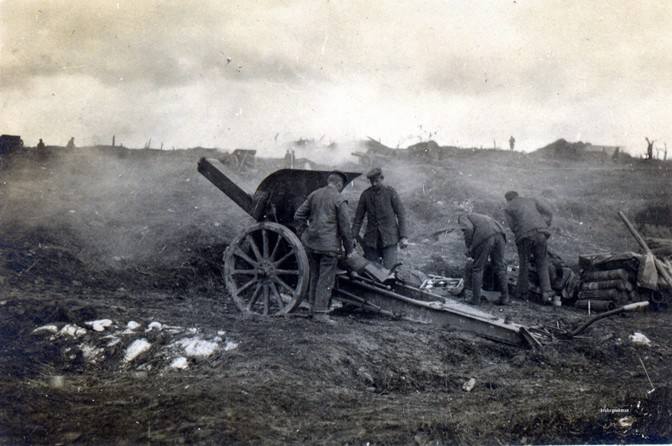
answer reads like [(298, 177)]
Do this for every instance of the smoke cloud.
[(235, 74)]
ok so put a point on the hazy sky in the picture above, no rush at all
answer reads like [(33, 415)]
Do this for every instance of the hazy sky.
[(236, 73)]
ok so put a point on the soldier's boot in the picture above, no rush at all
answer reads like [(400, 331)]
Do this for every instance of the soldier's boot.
[(557, 300), (323, 318), (504, 299), (474, 299)]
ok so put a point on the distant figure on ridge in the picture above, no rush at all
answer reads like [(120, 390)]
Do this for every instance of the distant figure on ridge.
[(649, 148)]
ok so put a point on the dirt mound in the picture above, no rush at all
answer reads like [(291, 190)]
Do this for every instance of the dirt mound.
[(565, 150)]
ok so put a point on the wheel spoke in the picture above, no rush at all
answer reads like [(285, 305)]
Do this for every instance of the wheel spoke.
[(293, 272), (248, 272), (239, 253), (275, 248), (276, 295), (255, 248), (266, 300), (246, 286), (255, 296), (264, 239), (285, 257), (283, 284)]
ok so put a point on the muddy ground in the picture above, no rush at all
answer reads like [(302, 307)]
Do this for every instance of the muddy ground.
[(98, 236)]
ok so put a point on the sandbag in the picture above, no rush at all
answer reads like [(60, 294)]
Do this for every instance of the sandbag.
[(613, 274), (610, 294), (618, 284)]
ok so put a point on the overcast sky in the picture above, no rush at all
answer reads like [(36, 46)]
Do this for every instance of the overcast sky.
[(238, 73)]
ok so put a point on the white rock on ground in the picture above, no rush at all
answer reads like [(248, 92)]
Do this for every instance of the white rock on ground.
[(197, 347), (51, 328), (72, 330), (469, 385), (100, 324), (640, 339), (179, 363), (90, 352), (132, 325), (230, 345), (136, 348), (154, 326)]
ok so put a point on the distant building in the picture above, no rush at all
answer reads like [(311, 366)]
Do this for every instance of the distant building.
[(10, 143)]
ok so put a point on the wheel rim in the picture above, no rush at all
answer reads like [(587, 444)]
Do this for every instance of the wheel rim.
[(266, 270)]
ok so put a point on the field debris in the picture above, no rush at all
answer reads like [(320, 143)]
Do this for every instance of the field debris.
[(179, 363), (50, 328), (72, 330), (626, 422), (99, 325), (154, 326), (230, 345), (469, 385), (138, 347), (90, 352), (198, 347), (132, 325), (639, 339)]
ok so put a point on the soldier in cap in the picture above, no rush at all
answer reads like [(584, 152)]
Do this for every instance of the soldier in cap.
[(485, 239), (324, 226), (386, 221), (530, 219)]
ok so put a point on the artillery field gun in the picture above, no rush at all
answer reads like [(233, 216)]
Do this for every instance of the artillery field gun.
[(266, 266)]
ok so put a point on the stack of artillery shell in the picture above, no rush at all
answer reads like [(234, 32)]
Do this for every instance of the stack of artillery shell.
[(607, 289)]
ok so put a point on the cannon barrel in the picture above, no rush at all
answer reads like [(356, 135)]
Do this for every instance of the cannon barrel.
[(278, 195), (212, 169)]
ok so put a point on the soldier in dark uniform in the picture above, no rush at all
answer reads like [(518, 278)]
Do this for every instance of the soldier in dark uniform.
[(529, 219), (324, 225), (484, 237), (386, 221)]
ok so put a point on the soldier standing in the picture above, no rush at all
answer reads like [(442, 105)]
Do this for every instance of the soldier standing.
[(485, 238), (512, 142), (649, 148), (529, 219), (324, 226), (386, 221)]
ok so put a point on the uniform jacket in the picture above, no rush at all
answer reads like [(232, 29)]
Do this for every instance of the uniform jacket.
[(325, 211), (385, 215), (526, 216), (477, 228)]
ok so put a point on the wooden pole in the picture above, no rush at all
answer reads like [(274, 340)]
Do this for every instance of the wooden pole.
[(660, 266)]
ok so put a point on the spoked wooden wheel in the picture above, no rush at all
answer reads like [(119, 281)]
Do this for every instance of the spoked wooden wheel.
[(266, 269)]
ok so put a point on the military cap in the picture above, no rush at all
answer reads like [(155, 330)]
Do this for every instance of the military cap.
[(375, 172), (510, 195), (340, 174)]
